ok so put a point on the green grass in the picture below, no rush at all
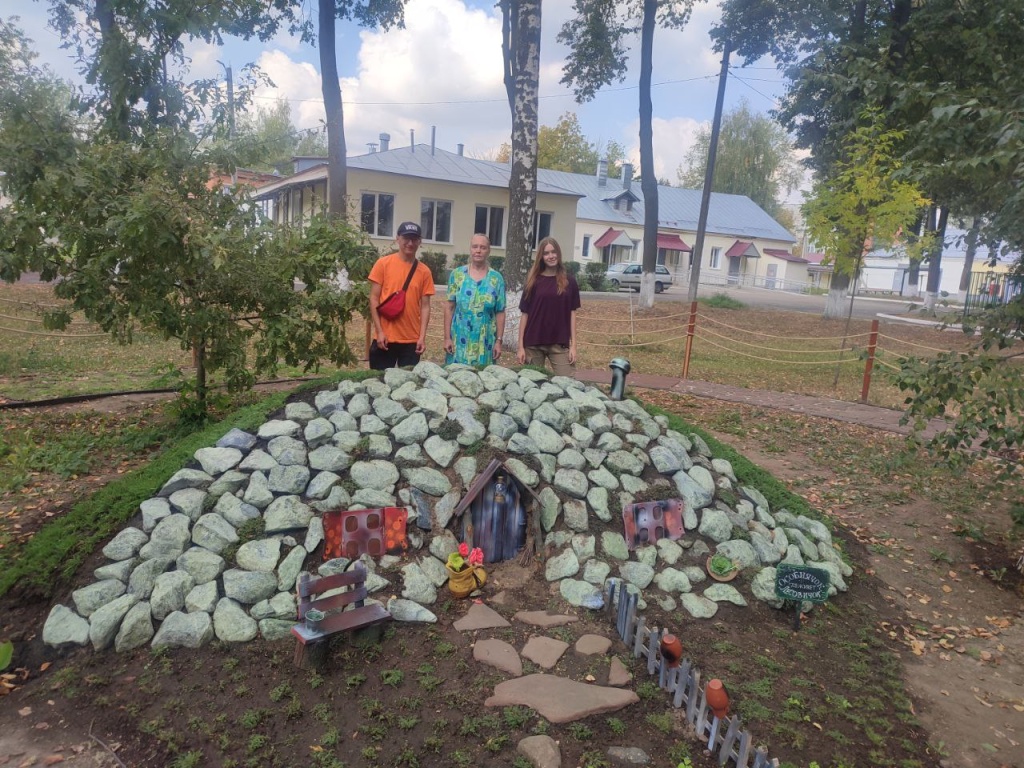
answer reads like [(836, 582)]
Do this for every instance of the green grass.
[(722, 301)]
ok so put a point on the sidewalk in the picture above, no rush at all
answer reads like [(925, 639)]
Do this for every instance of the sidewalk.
[(871, 416)]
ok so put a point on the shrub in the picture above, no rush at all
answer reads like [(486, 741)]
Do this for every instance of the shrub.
[(438, 263)]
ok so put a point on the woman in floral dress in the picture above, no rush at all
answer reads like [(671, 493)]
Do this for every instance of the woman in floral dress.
[(474, 318)]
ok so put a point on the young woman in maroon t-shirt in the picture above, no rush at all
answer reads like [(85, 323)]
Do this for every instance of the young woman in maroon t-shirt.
[(547, 329)]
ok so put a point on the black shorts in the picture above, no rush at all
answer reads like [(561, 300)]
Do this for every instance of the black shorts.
[(398, 354)]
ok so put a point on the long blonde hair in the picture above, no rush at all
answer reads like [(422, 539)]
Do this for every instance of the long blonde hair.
[(561, 275)]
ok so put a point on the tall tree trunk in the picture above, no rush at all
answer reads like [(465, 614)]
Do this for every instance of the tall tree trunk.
[(935, 261), (836, 306), (520, 47), (648, 181), (972, 248), (337, 185)]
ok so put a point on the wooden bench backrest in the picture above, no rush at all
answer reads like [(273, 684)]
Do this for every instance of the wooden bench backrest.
[(310, 586)]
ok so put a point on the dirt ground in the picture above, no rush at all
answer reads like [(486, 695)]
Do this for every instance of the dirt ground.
[(963, 634), (928, 590)]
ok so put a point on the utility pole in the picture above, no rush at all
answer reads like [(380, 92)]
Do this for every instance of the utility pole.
[(709, 173), (231, 98)]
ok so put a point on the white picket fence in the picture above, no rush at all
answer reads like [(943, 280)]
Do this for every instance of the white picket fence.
[(683, 683)]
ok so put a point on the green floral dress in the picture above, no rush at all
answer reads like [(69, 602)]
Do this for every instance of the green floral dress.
[(474, 328)]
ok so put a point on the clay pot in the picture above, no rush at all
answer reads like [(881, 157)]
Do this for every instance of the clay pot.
[(463, 583), (671, 650), (717, 698), (722, 577)]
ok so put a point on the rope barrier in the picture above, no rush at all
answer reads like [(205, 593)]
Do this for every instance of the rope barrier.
[(786, 362), (774, 336), (53, 335), (701, 331), (33, 320), (884, 364), (634, 333), (633, 319), (911, 343), (32, 303)]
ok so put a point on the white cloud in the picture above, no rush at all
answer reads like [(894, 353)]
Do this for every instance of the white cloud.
[(673, 138)]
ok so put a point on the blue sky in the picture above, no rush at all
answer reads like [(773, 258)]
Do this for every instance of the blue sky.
[(444, 70)]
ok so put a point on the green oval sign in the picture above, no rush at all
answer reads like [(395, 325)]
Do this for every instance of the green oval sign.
[(801, 582)]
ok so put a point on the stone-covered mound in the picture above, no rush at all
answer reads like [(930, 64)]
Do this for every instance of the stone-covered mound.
[(217, 552)]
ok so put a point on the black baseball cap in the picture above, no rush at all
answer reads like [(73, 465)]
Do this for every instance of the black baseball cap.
[(409, 229)]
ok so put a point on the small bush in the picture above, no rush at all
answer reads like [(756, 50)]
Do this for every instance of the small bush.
[(437, 261), (722, 301)]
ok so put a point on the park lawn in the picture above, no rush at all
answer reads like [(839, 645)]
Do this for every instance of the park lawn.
[(778, 351)]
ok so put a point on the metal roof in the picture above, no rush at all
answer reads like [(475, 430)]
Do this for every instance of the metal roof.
[(678, 209), (731, 215)]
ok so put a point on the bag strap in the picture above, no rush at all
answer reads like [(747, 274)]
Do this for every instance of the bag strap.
[(412, 271)]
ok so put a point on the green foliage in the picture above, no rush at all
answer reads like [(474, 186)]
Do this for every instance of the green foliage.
[(980, 393), (722, 301), (6, 654), (862, 203), (121, 214), (437, 261), (392, 677), (755, 158)]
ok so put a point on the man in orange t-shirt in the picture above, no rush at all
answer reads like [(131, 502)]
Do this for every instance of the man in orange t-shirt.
[(400, 341)]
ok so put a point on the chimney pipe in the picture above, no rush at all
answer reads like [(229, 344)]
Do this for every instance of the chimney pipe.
[(412, 140), (627, 175), (461, 148), (602, 173), (385, 141), (372, 146), (433, 139)]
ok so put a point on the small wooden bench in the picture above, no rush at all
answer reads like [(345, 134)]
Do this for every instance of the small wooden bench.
[(346, 612)]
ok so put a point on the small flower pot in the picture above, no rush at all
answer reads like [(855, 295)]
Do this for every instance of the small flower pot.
[(729, 576), (465, 582), (313, 618)]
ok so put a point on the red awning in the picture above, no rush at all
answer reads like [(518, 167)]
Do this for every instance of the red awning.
[(672, 243), (742, 248), (607, 238)]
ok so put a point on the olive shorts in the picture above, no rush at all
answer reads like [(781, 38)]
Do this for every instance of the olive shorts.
[(558, 354)]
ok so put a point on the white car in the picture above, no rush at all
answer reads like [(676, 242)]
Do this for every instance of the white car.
[(628, 276)]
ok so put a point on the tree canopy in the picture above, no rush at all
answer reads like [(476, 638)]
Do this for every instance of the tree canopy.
[(755, 158), (135, 236), (598, 38), (862, 204), (564, 147)]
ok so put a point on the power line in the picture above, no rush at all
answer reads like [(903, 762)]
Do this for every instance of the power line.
[(480, 101), (763, 95)]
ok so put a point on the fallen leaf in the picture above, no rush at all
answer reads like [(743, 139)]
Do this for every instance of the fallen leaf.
[(45, 666), (946, 588), (25, 711)]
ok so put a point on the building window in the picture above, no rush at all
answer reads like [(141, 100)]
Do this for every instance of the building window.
[(586, 246), (490, 221), (436, 220), (541, 226), (634, 254), (716, 258), (378, 214)]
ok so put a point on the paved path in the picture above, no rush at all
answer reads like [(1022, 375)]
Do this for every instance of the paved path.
[(872, 416)]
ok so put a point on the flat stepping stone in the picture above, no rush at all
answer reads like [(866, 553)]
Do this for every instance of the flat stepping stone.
[(544, 618), (541, 751), (544, 651), (618, 674), (499, 654), (501, 598), (593, 645), (559, 699), (480, 616)]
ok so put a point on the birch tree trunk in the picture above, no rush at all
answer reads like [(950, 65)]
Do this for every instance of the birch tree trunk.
[(648, 180), (330, 86), (835, 306), (935, 262), (520, 48)]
